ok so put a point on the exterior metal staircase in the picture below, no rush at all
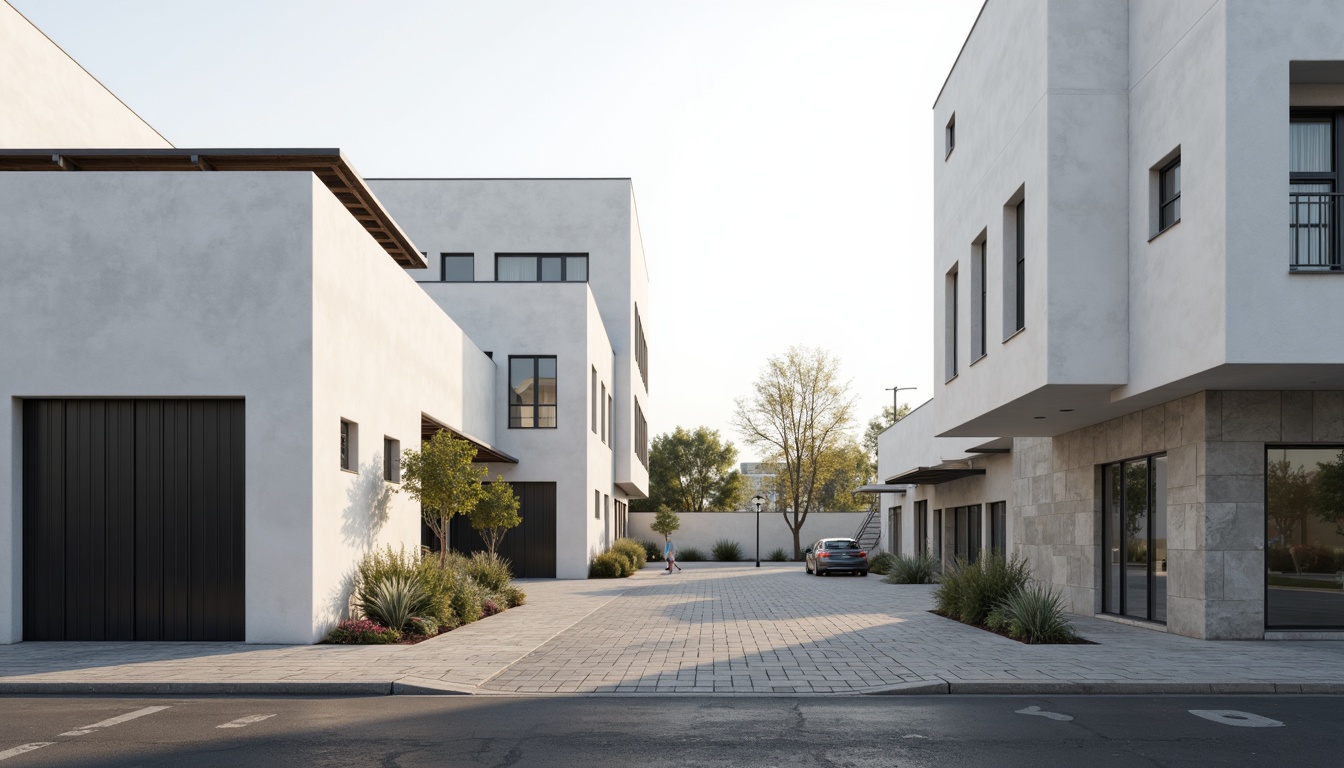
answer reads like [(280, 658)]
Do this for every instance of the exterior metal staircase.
[(869, 535)]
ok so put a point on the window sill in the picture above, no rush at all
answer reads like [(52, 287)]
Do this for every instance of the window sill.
[(954, 378), (982, 356), (1162, 232), (1014, 334), (513, 427), (351, 471), (1310, 270)]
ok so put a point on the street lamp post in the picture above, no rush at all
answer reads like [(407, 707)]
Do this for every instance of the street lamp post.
[(758, 500), (895, 397)]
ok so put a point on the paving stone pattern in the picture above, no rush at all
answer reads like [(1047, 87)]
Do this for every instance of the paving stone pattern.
[(713, 628)]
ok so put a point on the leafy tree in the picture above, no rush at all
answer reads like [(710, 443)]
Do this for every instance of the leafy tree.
[(879, 424), (844, 468), (495, 513), (798, 412), (693, 472), (665, 521), (1330, 492), (442, 477)]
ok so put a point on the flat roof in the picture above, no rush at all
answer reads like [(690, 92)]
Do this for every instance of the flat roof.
[(933, 475), (329, 165)]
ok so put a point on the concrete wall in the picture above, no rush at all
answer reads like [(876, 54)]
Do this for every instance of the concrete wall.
[(702, 529), (48, 100)]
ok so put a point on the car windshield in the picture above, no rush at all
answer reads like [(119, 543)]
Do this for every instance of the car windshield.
[(841, 545)]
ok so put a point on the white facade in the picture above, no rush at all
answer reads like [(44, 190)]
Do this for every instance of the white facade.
[(275, 279), (1192, 346)]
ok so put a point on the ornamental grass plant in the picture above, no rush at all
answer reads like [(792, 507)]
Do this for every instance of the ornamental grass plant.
[(967, 592), (726, 551), (911, 569)]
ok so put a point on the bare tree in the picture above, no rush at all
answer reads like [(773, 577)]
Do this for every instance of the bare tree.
[(799, 413)]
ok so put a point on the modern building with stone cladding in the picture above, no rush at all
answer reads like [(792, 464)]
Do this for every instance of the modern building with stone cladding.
[(1143, 387)]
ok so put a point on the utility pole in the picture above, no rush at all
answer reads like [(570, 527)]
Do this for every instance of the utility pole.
[(895, 397)]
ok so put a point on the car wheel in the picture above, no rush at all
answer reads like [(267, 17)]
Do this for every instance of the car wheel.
[(863, 573), (807, 569)]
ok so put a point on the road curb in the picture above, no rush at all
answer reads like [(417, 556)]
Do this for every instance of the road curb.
[(427, 686), (916, 688), (268, 688)]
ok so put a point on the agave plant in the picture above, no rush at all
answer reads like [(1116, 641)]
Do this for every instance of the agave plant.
[(1034, 614), (394, 600)]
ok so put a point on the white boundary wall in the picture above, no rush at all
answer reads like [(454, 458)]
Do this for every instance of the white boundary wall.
[(702, 529)]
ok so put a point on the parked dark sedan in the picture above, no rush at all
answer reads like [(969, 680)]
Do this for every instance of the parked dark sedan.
[(828, 555)]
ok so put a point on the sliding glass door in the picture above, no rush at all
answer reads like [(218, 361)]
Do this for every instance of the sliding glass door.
[(1134, 538)]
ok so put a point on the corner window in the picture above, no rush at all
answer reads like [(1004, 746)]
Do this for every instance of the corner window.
[(950, 134), (1169, 195), (458, 267), (391, 460), (532, 392), (349, 446), (541, 267)]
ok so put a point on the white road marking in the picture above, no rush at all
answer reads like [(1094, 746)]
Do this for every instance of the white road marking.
[(1042, 713), (111, 721), (245, 721), (914, 736), (19, 750), (1234, 717)]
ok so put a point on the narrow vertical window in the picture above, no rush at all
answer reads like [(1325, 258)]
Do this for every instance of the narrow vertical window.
[(391, 460), (603, 401), (349, 446), (593, 398), (978, 275), (597, 505), (950, 134), (1020, 218), (1169, 195), (611, 420), (950, 327), (641, 349)]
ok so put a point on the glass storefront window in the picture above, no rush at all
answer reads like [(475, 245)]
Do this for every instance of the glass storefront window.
[(1134, 538), (1304, 538)]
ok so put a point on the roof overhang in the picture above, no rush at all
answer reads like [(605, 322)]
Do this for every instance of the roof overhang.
[(933, 475), (485, 453), (881, 488), (329, 165), (997, 445)]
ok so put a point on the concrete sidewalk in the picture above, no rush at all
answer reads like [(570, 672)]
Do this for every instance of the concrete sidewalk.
[(712, 629)]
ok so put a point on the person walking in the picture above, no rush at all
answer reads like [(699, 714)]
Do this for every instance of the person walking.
[(670, 555)]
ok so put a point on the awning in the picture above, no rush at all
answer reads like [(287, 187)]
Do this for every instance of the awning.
[(933, 475), (485, 453), (882, 488), (329, 165)]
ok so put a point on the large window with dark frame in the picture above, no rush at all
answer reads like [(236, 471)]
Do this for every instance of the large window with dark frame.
[(894, 530), (532, 395), (641, 349), (541, 267), (1313, 191), (966, 532), (921, 527), (938, 535), (1134, 538), (998, 527), (641, 436), (458, 267), (1304, 537)]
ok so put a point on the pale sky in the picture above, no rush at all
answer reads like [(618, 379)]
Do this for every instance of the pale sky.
[(781, 152)]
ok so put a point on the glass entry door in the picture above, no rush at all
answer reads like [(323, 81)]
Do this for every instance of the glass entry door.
[(1134, 538)]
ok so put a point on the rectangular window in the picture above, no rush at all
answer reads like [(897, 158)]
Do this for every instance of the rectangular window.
[(391, 460), (894, 530), (966, 532), (621, 523), (593, 398), (1169, 194), (1020, 253), (921, 527), (532, 392), (349, 446), (1304, 537), (998, 527), (641, 436), (979, 295), (1134, 538), (950, 326), (603, 401), (459, 267), (1313, 192), (938, 534), (641, 349), (597, 505), (541, 267), (950, 134), (606, 517), (611, 420)]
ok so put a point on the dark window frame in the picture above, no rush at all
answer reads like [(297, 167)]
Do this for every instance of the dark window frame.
[(922, 527), (1287, 447), (998, 527), (349, 446), (603, 401), (565, 259), (641, 435), (641, 349), (980, 272), (950, 324), (536, 403), (443, 266), (1334, 261), (1166, 205), (950, 136), (1150, 589), (1020, 236)]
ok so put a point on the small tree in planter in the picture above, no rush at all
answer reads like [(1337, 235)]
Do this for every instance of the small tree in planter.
[(665, 521), (442, 477), (496, 513)]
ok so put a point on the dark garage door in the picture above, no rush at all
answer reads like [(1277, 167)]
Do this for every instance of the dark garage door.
[(133, 519), (531, 546)]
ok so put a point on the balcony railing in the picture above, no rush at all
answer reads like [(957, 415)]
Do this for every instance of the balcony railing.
[(1314, 232)]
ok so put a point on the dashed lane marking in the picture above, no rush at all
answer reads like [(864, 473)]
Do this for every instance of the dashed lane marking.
[(1042, 713), (243, 722), (111, 721), (22, 748), (1236, 718)]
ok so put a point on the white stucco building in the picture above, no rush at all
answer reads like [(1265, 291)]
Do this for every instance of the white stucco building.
[(1137, 264), (209, 358)]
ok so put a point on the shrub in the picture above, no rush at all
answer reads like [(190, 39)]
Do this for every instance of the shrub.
[(362, 632), (1033, 614), (969, 591), (423, 625), (778, 555), (511, 596), (691, 555), (490, 608), (468, 601), (490, 571), (609, 565), (632, 551), (393, 601), (916, 569), (726, 551), (651, 551), (881, 563)]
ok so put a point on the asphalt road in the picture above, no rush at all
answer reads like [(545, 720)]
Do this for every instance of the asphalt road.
[(594, 732)]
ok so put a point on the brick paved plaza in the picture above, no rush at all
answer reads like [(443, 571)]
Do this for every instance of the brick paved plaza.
[(713, 628)]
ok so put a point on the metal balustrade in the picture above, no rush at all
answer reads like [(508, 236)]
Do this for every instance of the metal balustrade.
[(1313, 236)]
